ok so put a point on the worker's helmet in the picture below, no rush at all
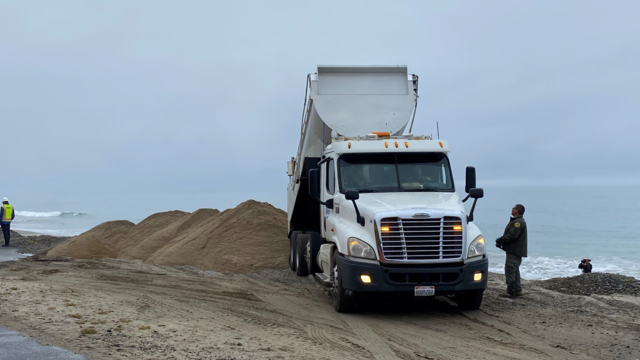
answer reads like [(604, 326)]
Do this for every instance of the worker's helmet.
[(5, 199)]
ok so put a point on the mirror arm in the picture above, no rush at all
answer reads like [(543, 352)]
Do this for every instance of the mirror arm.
[(359, 218), (473, 207), (467, 198)]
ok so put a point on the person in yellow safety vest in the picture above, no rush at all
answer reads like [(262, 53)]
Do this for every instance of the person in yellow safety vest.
[(7, 213)]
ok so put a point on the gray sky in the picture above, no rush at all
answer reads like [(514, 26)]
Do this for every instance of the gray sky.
[(205, 96)]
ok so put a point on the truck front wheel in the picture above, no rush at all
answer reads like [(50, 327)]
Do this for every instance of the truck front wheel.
[(470, 300), (344, 300)]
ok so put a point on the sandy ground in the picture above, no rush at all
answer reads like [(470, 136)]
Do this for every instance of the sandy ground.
[(144, 311)]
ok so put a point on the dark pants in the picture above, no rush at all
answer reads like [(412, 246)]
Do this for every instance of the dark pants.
[(512, 273), (6, 232)]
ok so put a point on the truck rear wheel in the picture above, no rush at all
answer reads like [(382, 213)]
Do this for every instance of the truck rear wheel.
[(315, 241), (302, 268), (470, 300), (292, 249), (344, 300)]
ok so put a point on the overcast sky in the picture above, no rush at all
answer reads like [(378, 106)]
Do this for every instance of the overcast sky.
[(127, 97)]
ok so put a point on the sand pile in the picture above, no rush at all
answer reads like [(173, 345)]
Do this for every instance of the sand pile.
[(158, 230), (250, 237), (594, 283), (100, 242), (136, 246)]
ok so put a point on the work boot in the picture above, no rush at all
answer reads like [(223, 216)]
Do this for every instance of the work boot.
[(518, 293), (5, 245), (506, 295)]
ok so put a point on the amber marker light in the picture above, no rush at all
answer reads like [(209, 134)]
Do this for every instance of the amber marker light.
[(366, 279), (406, 144), (477, 276), (349, 145), (440, 142), (457, 227), (396, 144), (384, 229), (386, 144)]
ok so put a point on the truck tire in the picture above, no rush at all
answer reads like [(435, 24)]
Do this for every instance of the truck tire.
[(344, 301), (292, 249), (302, 269), (315, 240), (470, 300)]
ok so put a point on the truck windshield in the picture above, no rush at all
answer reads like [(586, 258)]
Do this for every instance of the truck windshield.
[(395, 172)]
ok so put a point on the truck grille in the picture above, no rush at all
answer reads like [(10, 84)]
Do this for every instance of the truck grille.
[(421, 239)]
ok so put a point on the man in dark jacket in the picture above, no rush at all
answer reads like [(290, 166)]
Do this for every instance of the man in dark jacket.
[(514, 243)]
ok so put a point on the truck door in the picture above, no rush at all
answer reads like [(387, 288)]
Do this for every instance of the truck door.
[(328, 192)]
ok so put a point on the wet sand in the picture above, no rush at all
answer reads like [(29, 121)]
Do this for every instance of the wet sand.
[(10, 254), (14, 346), (17, 347)]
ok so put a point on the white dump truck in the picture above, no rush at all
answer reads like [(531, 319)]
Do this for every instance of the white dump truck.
[(373, 208)]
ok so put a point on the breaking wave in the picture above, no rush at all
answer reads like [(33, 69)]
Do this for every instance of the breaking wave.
[(547, 267), (49, 214)]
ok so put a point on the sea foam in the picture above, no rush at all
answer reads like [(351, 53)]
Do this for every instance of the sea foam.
[(48, 214), (546, 267)]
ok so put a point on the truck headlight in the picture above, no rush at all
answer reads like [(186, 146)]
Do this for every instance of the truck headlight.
[(359, 248), (477, 247)]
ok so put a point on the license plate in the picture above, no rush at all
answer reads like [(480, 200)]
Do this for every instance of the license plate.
[(425, 290)]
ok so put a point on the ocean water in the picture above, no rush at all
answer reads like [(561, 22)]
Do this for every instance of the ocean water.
[(56, 223), (565, 224)]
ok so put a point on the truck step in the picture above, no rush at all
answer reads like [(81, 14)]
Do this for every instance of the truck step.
[(323, 279)]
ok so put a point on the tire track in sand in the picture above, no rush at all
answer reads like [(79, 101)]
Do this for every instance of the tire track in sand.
[(320, 325), (522, 337), (352, 324), (370, 340)]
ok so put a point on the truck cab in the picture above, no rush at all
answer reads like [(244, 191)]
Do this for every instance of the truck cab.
[(377, 211)]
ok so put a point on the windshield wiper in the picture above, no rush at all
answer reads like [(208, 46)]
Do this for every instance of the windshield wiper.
[(361, 191)]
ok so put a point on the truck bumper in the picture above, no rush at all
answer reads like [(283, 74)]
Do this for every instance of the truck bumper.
[(447, 279)]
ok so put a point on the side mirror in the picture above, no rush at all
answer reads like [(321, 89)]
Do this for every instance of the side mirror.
[(476, 193), (314, 183), (470, 179), (329, 203), (352, 195)]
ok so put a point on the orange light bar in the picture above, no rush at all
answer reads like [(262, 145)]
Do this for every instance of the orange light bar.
[(381, 133), (457, 227), (384, 228)]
